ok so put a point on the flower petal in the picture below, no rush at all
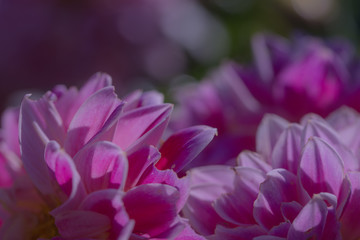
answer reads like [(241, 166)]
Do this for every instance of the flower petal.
[(90, 118), (64, 177), (267, 207), (286, 152), (140, 161), (268, 133), (142, 126), (322, 170), (152, 206), (39, 122), (237, 207), (183, 146), (253, 160), (102, 165)]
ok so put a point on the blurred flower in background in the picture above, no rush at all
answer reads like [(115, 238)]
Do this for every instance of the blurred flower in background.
[(289, 78), (138, 42)]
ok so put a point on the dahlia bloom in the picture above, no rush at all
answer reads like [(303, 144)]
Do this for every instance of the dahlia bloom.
[(289, 79), (95, 168), (302, 183)]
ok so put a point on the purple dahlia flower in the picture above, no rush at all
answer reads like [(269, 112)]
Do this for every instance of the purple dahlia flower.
[(95, 167), (287, 78), (302, 183)]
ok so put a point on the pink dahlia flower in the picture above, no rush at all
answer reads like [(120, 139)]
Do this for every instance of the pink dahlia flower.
[(302, 183), (287, 78), (96, 168)]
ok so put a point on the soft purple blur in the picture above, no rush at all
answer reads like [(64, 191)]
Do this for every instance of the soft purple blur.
[(288, 78)]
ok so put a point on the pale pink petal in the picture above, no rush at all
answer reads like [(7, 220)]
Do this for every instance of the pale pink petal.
[(317, 127), (67, 186), (253, 160), (90, 118), (207, 184), (39, 122), (102, 165), (153, 207), (350, 225), (139, 99), (183, 146), (322, 170), (315, 221), (286, 152), (268, 133), (342, 118), (69, 100), (267, 207), (142, 126), (237, 207), (106, 133)]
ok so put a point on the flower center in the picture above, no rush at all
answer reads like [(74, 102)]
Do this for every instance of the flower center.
[(45, 227)]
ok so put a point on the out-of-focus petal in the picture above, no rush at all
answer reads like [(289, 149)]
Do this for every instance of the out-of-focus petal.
[(239, 233)]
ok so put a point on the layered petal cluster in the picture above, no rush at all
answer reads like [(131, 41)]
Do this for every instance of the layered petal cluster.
[(97, 167), (301, 183), (287, 78)]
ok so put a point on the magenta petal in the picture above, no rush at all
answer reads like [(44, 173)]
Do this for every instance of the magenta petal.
[(153, 207), (169, 177), (90, 118), (268, 133), (239, 233), (142, 126), (237, 207), (39, 123), (102, 165), (286, 152), (253, 160), (322, 170), (183, 146), (109, 203), (267, 207), (140, 161)]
